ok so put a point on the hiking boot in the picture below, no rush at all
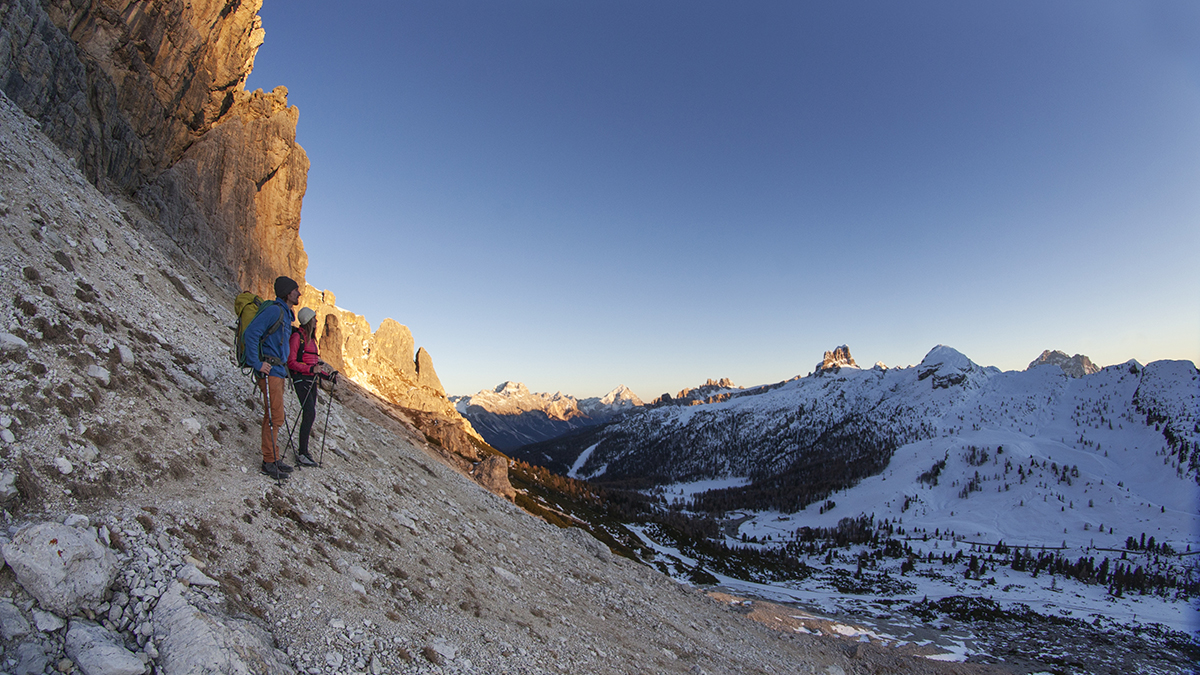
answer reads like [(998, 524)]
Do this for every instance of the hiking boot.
[(282, 467), (272, 469), (304, 459)]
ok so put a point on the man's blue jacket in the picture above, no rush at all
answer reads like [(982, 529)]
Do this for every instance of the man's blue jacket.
[(274, 345)]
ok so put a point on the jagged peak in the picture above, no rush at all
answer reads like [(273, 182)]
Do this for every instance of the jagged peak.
[(839, 357), (1074, 366)]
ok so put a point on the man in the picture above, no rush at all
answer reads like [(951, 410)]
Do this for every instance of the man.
[(266, 340)]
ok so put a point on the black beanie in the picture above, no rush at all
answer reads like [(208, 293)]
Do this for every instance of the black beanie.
[(284, 286)]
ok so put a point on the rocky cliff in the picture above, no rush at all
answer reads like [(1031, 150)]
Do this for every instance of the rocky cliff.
[(148, 99)]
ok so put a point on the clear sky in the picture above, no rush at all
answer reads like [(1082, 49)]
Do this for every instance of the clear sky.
[(578, 194)]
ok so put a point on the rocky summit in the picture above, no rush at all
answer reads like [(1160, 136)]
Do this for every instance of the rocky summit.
[(140, 188), (838, 358), (1074, 366)]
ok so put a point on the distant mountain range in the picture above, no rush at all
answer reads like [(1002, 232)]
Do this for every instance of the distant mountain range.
[(796, 442), (510, 415)]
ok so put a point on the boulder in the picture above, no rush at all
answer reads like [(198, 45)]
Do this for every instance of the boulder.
[(64, 568), (492, 474), (98, 651)]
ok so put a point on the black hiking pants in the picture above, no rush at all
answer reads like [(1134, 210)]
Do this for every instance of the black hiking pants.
[(306, 391)]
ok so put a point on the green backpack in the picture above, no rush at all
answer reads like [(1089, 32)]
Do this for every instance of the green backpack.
[(247, 306)]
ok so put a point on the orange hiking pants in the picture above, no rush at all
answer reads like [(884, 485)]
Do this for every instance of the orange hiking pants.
[(272, 417)]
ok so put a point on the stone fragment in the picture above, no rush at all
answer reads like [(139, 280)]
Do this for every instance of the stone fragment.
[(64, 568), (444, 649), (125, 353), (406, 521), (100, 374), (361, 574), (31, 658), (11, 344), (77, 520), (100, 244), (97, 651), (333, 659), (191, 425), (192, 576), (508, 577), (8, 484), (12, 622), (47, 622), (589, 543), (7, 436), (63, 465)]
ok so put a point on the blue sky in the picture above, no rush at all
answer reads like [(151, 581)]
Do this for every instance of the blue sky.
[(583, 194)]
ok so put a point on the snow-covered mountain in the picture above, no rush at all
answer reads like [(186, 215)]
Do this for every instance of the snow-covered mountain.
[(510, 415), (783, 447)]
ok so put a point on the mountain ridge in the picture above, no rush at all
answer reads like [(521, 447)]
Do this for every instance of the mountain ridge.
[(510, 415)]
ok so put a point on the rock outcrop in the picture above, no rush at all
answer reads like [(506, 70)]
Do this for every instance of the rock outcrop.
[(148, 99), (1074, 366), (383, 363), (709, 392), (381, 360), (838, 358)]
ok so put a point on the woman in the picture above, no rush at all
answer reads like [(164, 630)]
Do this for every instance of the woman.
[(305, 366)]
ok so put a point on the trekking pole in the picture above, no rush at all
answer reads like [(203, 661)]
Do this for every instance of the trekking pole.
[(271, 423), (325, 431)]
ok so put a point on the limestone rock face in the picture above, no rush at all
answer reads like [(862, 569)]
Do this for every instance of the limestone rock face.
[(1074, 366), (148, 98), (234, 196), (197, 642), (838, 358)]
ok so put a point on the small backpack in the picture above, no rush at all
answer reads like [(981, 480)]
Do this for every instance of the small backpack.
[(247, 306)]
